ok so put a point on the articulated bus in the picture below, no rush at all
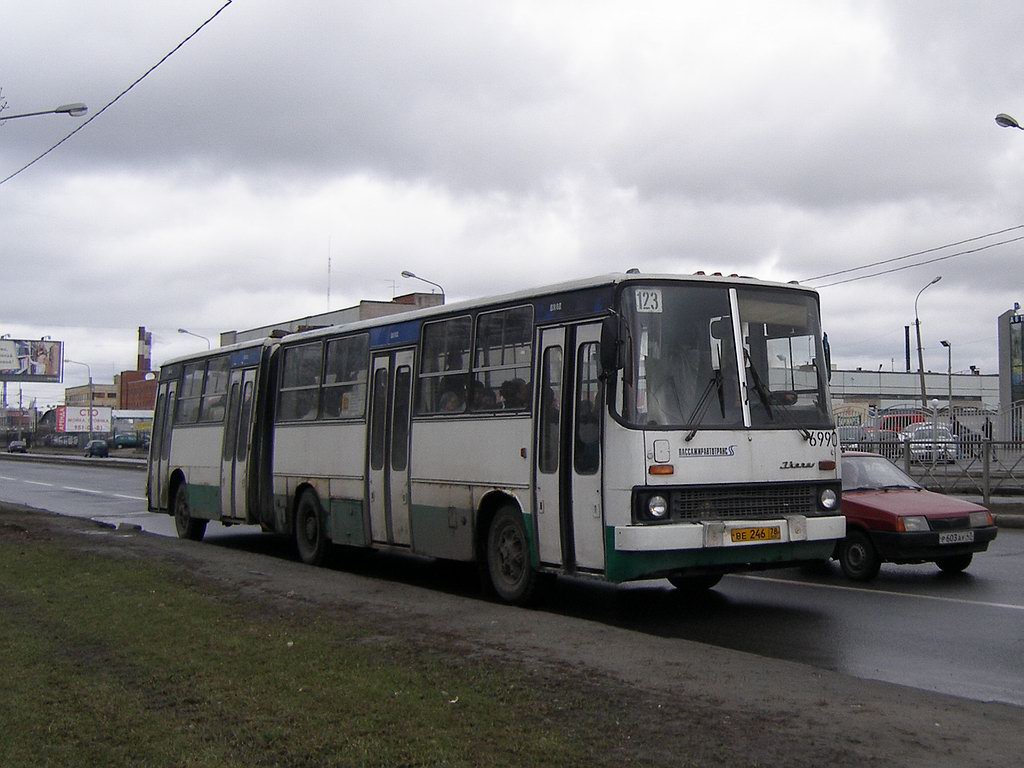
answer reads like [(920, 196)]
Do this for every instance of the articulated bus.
[(620, 427)]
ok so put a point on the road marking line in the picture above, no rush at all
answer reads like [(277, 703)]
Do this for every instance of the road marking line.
[(82, 490), (123, 496), (891, 593), (35, 482)]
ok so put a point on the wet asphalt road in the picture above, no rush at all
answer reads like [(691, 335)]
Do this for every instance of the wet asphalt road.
[(913, 625)]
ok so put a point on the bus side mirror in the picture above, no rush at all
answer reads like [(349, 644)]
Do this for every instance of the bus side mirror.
[(611, 345)]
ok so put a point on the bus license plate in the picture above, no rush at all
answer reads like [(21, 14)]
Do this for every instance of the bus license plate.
[(755, 534), (956, 537)]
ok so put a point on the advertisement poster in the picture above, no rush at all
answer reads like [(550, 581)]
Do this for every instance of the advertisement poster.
[(31, 360), (73, 418)]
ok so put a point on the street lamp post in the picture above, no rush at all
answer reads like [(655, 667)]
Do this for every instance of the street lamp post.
[(89, 371), (407, 273), (1005, 121), (949, 373), (75, 110), (920, 354), (209, 344)]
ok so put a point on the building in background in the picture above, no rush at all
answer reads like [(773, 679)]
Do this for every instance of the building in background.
[(364, 310)]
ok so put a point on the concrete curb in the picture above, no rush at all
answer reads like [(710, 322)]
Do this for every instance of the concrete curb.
[(59, 458)]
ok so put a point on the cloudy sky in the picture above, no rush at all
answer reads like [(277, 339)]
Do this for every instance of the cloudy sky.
[(494, 146)]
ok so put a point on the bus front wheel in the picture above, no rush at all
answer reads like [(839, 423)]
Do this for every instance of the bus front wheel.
[(187, 526), (310, 533), (695, 584), (508, 558)]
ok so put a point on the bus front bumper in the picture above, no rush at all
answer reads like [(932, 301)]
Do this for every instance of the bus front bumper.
[(713, 546), (728, 533)]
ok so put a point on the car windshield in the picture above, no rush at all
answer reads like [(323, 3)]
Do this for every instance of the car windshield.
[(873, 473), (684, 369)]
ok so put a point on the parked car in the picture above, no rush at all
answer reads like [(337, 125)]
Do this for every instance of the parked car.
[(850, 437), (890, 518), (127, 440), (930, 442), (17, 446), (97, 448)]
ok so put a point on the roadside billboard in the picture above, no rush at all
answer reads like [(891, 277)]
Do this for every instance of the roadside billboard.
[(31, 360), (74, 418)]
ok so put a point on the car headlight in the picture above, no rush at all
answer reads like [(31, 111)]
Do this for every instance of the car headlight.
[(913, 523), (828, 499), (657, 507), (980, 519)]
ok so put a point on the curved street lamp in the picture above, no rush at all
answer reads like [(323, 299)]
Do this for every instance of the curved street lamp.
[(75, 110), (209, 344), (89, 371), (407, 273), (920, 354), (1006, 121)]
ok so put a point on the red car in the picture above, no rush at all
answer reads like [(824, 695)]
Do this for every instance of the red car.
[(890, 518)]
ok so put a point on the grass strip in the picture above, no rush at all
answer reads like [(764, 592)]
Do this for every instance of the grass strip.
[(111, 662)]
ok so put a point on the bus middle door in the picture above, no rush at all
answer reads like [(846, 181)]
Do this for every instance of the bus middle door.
[(234, 466), (388, 460)]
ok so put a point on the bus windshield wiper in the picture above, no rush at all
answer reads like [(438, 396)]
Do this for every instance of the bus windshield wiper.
[(759, 387), (701, 408), (766, 397)]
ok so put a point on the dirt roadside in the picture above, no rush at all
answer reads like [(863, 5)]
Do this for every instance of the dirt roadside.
[(681, 702)]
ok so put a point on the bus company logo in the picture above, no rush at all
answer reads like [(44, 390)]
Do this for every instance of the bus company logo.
[(797, 465), (711, 452)]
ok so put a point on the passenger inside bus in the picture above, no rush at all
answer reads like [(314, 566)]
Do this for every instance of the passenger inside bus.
[(514, 394)]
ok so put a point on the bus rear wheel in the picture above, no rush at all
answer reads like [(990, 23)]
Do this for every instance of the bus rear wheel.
[(310, 530), (187, 526), (508, 558)]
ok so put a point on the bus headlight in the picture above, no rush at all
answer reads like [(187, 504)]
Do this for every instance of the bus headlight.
[(828, 499), (657, 507)]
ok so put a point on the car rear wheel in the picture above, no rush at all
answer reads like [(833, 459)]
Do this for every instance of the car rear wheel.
[(858, 558), (954, 563)]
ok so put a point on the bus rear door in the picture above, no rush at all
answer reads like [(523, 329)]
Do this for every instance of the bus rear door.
[(160, 445)]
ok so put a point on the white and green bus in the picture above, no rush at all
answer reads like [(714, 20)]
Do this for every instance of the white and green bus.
[(621, 427)]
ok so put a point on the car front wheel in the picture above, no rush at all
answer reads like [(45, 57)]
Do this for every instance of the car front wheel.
[(858, 558)]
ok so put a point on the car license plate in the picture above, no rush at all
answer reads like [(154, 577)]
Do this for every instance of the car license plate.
[(956, 537), (756, 533)]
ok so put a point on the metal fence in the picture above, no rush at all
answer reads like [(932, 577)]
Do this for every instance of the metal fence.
[(968, 451)]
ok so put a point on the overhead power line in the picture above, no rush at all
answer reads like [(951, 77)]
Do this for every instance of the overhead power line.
[(922, 263), (122, 93), (918, 253)]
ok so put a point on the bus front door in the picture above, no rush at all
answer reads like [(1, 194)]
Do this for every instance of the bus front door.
[(569, 511), (234, 466), (160, 445), (388, 470)]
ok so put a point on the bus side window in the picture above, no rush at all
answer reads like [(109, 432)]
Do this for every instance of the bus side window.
[(300, 383), (550, 414), (444, 367), (589, 406)]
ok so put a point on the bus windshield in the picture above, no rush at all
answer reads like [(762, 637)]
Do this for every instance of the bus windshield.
[(684, 370)]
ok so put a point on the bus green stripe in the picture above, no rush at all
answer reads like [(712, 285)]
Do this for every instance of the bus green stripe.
[(626, 566)]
